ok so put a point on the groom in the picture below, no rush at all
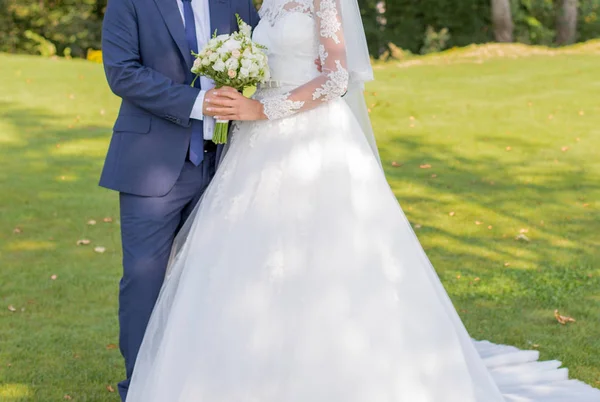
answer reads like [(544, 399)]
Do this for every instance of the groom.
[(161, 157)]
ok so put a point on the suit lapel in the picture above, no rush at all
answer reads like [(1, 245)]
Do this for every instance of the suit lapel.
[(172, 16), (220, 16)]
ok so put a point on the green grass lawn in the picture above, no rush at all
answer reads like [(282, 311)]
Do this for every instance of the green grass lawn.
[(477, 149)]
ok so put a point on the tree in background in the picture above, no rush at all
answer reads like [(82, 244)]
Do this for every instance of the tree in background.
[(393, 27), (566, 22), (408, 22), (502, 21), (70, 27)]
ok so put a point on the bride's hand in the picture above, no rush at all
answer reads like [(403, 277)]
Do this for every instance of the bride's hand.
[(229, 104)]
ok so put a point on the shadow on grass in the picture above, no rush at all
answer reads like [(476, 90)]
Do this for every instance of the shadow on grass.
[(555, 266)]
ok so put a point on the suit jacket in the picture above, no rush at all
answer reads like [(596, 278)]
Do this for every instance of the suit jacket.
[(147, 63)]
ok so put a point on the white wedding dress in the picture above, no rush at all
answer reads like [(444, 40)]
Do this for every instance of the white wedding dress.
[(301, 280)]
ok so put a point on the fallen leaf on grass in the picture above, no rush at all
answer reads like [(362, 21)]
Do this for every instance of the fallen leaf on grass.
[(564, 149), (12, 308), (53, 277), (425, 166), (563, 319), (111, 346), (451, 213), (522, 237), (17, 230), (508, 148), (433, 176), (83, 242), (91, 222), (524, 230), (68, 397), (396, 164), (581, 112), (478, 223), (506, 264), (109, 388), (100, 249), (489, 227), (417, 226), (109, 220)]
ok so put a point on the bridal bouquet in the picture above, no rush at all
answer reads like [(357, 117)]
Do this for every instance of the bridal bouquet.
[(232, 60)]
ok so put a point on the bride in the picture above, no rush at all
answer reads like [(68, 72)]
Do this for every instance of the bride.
[(299, 279)]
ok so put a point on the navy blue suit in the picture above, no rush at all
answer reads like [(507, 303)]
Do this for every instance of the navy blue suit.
[(147, 62)]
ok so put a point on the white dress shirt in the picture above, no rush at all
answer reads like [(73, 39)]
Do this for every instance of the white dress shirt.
[(202, 17)]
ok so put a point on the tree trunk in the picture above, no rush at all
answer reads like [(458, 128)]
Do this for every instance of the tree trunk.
[(566, 22), (502, 20)]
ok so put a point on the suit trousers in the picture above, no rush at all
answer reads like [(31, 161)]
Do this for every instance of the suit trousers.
[(148, 228)]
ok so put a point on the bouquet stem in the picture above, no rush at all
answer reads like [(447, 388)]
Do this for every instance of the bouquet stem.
[(220, 134)]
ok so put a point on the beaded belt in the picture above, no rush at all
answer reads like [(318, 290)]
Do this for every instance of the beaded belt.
[(277, 84), (269, 84)]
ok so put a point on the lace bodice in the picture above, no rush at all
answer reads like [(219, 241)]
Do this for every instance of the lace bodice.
[(296, 32)]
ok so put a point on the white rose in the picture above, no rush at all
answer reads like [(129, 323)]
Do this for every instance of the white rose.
[(206, 61), (254, 70), (213, 57), (246, 63), (231, 45), (232, 64), (219, 66), (244, 72), (236, 53)]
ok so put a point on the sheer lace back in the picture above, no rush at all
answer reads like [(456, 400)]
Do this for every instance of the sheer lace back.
[(272, 10), (294, 42)]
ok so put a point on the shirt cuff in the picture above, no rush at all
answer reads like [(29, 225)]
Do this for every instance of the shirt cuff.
[(197, 109)]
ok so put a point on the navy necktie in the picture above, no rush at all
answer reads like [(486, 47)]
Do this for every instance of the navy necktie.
[(197, 138)]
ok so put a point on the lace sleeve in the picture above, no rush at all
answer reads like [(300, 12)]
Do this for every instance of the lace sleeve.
[(333, 81)]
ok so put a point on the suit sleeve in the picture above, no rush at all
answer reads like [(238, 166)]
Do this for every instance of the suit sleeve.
[(129, 79), (254, 18)]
